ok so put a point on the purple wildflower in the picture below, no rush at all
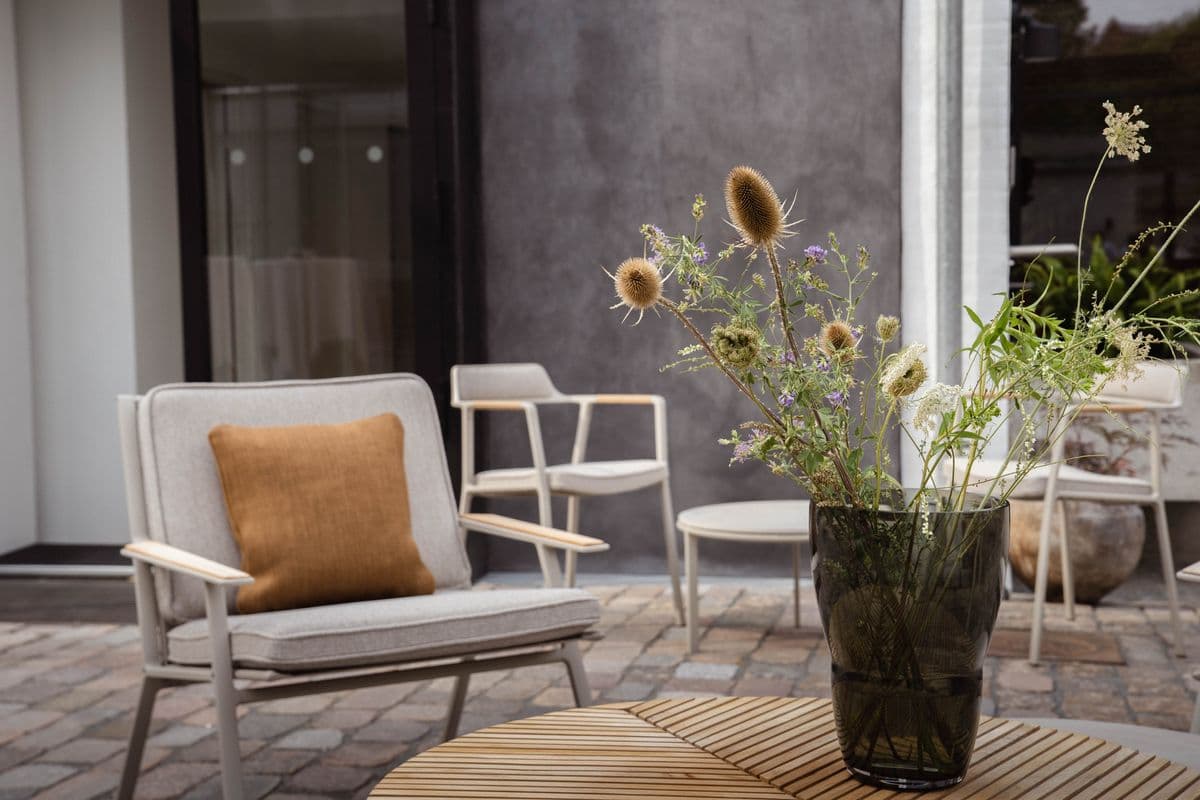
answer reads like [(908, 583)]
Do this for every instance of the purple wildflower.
[(816, 253), (823, 366), (789, 357), (702, 254), (741, 451), (836, 398), (786, 399)]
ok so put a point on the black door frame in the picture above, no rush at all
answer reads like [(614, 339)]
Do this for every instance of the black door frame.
[(442, 45)]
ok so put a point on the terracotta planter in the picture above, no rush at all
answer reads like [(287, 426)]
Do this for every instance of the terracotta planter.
[(1106, 544)]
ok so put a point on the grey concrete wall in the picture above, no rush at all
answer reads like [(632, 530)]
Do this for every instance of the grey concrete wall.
[(598, 116)]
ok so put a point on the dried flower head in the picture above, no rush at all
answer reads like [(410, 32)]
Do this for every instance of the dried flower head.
[(886, 328), (904, 372), (1124, 133), (754, 208), (837, 338), (737, 345), (638, 284)]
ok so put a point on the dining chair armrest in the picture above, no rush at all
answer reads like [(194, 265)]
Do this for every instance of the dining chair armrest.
[(586, 403), (531, 533), (1113, 408), (619, 399), (163, 555), (1190, 573)]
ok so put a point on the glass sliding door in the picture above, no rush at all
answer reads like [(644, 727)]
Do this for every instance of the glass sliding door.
[(306, 152)]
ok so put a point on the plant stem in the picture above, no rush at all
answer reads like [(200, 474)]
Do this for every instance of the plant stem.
[(784, 318), (1079, 246), (1157, 255)]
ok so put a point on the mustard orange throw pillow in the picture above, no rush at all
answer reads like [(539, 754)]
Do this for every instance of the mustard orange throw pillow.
[(320, 513)]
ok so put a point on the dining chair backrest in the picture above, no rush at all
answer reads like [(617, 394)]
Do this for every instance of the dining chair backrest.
[(175, 494), (475, 382), (1160, 385)]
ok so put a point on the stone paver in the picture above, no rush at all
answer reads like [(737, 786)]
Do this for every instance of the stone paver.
[(67, 693)]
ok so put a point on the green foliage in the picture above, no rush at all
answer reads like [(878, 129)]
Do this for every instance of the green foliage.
[(1163, 292)]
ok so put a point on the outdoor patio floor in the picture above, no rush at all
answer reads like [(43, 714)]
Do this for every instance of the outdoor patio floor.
[(67, 692)]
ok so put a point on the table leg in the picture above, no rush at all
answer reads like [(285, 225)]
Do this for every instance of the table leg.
[(690, 547), (796, 582)]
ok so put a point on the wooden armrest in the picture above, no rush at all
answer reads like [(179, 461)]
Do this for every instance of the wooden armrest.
[(496, 405), (164, 555), (522, 531), (620, 399), (1111, 408), (1190, 573)]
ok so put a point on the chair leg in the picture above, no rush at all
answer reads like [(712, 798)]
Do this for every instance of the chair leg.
[(1068, 575), (224, 693), (551, 570), (672, 549), (691, 545), (1196, 716), (137, 737), (578, 675), (1168, 568), (457, 698), (1043, 577)]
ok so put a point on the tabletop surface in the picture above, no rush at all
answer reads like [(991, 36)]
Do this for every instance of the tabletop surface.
[(755, 747), (759, 517)]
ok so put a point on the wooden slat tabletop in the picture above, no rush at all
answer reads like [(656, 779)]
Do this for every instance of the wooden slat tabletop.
[(756, 747)]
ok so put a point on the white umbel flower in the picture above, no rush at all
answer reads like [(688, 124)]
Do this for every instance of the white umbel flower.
[(937, 400), (1124, 133)]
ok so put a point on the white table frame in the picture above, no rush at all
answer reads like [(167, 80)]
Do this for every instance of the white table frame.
[(795, 533)]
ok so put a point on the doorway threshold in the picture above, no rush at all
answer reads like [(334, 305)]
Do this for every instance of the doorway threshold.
[(66, 560)]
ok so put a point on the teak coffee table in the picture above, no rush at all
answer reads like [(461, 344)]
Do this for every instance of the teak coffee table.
[(755, 747)]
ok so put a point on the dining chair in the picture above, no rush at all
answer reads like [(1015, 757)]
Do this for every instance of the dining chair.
[(186, 560), (1146, 398), (522, 388)]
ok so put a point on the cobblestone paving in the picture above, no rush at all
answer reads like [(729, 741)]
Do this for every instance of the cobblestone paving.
[(67, 694)]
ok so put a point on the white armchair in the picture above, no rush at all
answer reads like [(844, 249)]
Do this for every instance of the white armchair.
[(184, 552), (522, 388), (1159, 389)]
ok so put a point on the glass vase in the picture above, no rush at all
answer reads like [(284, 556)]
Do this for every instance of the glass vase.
[(908, 600)]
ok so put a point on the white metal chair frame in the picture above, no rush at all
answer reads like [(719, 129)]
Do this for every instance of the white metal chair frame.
[(539, 485), (234, 685), (1053, 494)]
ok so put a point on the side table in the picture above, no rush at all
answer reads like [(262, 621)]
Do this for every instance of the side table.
[(778, 521)]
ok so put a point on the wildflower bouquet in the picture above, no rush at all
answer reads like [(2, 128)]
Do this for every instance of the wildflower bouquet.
[(908, 578)]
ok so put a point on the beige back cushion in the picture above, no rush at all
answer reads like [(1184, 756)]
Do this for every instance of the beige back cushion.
[(184, 503)]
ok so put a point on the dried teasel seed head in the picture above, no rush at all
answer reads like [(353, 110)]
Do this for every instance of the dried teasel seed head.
[(837, 337), (753, 207), (638, 283)]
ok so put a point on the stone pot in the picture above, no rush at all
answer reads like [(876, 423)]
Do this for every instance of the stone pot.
[(1106, 544)]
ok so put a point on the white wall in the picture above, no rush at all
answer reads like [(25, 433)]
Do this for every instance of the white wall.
[(101, 242), (18, 503), (982, 185)]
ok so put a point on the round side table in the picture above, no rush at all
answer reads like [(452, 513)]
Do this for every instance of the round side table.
[(779, 521), (765, 748)]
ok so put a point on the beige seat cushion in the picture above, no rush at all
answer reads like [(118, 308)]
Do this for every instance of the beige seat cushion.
[(592, 477), (386, 631), (320, 512)]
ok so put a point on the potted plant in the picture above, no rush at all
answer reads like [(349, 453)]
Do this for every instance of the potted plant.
[(909, 578)]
